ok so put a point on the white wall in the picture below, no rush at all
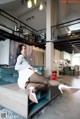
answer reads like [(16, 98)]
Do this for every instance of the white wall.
[(4, 52), (76, 59), (65, 55), (57, 55)]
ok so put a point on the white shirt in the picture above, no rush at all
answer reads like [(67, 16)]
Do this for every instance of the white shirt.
[(24, 70)]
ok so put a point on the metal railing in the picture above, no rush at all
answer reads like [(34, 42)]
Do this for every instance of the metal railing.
[(15, 25)]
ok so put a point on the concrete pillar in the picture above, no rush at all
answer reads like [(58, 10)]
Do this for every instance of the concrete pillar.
[(51, 14)]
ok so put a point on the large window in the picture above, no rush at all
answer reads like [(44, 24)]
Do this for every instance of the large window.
[(76, 59)]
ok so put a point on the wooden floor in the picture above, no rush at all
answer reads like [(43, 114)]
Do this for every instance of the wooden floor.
[(66, 106), (15, 99)]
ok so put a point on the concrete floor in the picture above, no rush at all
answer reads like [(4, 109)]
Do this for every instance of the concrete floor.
[(66, 106)]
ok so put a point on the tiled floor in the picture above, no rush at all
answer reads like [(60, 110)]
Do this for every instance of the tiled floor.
[(66, 106)]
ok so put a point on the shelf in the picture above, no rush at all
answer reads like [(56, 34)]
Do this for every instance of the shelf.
[(43, 98), (35, 107), (30, 103)]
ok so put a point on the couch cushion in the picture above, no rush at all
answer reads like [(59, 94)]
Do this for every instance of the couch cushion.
[(9, 79), (7, 70), (2, 82), (8, 74)]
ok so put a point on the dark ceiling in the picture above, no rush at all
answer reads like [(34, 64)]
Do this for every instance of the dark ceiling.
[(66, 43), (6, 35)]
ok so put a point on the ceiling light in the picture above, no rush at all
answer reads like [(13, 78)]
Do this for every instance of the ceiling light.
[(29, 4), (41, 6), (35, 2)]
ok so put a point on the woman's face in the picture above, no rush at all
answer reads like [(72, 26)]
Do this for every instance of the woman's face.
[(23, 51)]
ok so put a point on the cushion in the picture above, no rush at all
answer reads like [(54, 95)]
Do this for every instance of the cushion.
[(7, 70)]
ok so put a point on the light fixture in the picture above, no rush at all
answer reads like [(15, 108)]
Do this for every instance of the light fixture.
[(29, 4), (30, 18), (35, 2), (41, 6)]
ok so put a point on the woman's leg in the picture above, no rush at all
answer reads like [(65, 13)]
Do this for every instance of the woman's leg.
[(37, 79), (33, 88), (37, 86)]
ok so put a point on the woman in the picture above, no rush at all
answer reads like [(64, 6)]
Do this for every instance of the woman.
[(29, 79)]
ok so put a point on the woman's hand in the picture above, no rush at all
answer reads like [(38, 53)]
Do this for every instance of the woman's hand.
[(35, 70)]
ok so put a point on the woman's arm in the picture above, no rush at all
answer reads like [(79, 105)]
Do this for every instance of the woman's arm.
[(30, 67), (21, 63)]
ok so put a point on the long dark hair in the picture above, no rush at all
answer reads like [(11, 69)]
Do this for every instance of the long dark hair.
[(18, 51)]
